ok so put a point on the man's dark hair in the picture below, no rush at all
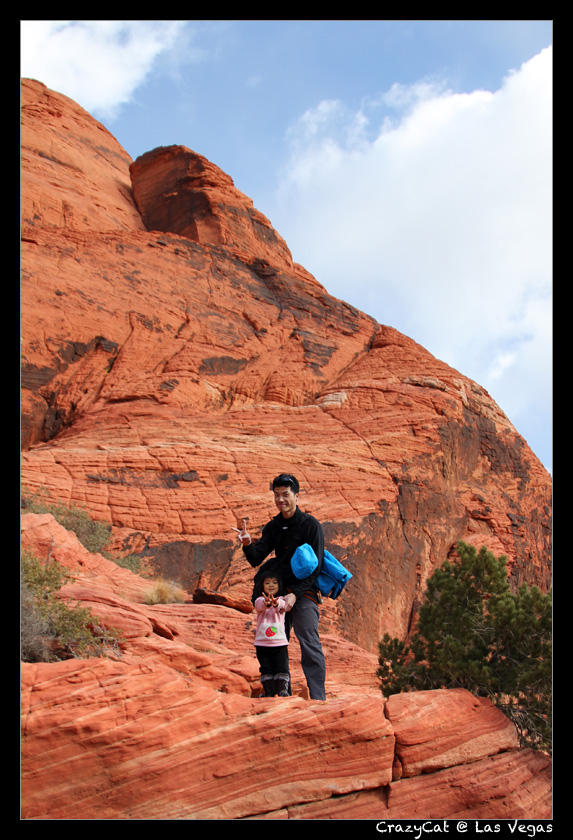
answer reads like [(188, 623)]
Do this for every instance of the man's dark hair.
[(286, 480)]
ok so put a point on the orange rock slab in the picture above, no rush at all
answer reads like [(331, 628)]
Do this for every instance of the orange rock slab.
[(134, 742), (507, 786), (427, 726)]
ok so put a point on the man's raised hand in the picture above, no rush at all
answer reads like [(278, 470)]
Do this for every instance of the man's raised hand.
[(242, 534)]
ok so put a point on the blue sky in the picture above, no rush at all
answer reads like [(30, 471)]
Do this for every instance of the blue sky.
[(408, 164)]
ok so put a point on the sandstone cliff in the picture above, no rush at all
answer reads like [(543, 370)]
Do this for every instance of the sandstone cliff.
[(174, 359)]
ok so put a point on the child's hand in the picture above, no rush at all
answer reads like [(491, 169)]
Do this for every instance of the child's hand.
[(270, 601)]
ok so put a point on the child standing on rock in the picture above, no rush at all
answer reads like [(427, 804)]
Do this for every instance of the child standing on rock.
[(271, 643)]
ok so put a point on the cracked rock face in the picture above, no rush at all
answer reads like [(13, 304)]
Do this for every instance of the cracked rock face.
[(174, 360)]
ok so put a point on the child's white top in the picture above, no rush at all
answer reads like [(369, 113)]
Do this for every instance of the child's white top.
[(270, 630)]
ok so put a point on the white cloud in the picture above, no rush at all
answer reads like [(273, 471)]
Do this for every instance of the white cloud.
[(438, 223), (502, 362), (98, 63), (400, 95)]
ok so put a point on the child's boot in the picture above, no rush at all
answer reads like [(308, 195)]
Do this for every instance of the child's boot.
[(268, 685), (281, 684)]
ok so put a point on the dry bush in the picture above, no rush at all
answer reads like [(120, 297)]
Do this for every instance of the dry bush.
[(165, 592)]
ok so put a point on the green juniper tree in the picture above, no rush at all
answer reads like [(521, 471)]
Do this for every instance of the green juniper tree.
[(474, 633)]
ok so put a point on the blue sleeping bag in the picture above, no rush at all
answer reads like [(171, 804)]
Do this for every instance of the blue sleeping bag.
[(333, 576)]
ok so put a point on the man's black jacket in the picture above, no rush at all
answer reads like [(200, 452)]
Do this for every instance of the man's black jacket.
[(284, 536)]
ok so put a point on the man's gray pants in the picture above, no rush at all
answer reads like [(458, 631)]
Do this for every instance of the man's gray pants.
[(304, 617)]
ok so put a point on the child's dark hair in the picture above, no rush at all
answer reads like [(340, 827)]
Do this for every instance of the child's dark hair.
[(259, 584)]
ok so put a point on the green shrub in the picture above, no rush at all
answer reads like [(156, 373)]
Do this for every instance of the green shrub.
[(50, 629), (93, 535), (474, 633), (35, 631), (133, 562)]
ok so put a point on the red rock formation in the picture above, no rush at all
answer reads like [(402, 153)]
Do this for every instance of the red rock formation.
[(174, 359), (177, 372), (181, 192), (173, 727), (74, 174)]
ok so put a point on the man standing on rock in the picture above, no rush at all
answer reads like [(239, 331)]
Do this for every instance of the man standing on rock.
[(288, 530)]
